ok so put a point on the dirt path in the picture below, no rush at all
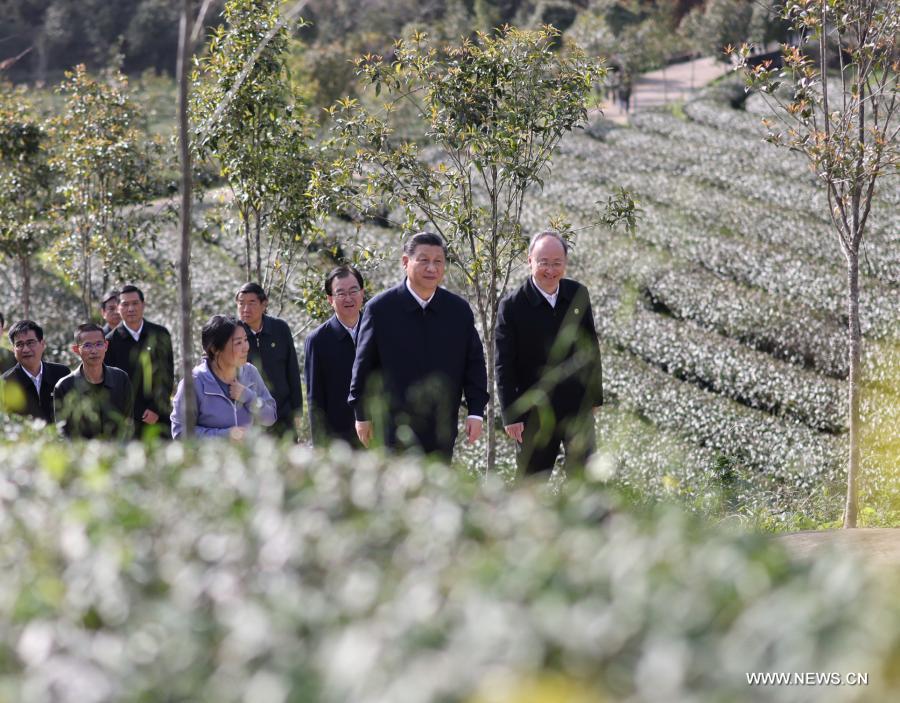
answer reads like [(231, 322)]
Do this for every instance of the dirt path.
[(676, 82), (879, 545)]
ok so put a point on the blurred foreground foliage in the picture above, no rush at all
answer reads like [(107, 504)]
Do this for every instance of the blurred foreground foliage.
[(258, 572)]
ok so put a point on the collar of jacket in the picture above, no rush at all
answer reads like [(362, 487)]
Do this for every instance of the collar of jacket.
[(266, 327), (122, 331), (536, 298), (410, 304), (107, 377), (339, 328), (207, 380)]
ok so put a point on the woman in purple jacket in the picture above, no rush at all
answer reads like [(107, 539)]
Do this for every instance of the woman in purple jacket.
[(231, 394)]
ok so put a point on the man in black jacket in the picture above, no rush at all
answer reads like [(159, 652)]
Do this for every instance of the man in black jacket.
[(143, 350), (419, 342), (273, 353), (548, 361), (28, 386), (109, 311), (95, 400), (328, 361)]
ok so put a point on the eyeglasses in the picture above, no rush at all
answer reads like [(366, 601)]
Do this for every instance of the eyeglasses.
[(341, 294), (29, 343), (545, 264), (91, 346)]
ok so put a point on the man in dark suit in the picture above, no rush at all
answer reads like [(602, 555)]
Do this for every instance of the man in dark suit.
[(328, 365), (109, 311), (95, 400), (143, 350), (273, 353), (28, 386), (548, 361), (417, 353)]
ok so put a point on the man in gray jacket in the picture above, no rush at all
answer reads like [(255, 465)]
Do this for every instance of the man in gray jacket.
[(95, 400)]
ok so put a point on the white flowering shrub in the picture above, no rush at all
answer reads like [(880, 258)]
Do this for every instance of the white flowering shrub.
[(264, 573)]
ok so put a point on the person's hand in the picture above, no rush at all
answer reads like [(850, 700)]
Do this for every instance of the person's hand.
[(473, 429), (515, 431), (236, 390), (237, 433), (149, 417), (364, 431)]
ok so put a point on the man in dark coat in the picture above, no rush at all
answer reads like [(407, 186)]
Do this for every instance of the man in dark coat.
[(109, 311), (274, 355), (28, 386), (328, 361), (548, 361), (417, 354), (95, 400), (143, 350)]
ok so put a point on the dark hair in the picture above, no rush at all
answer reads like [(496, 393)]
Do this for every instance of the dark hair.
[(424, 239), (87, 327), (253, 289), (132, 289), (548, 233), (23, 326), (2, 320), (216, 333), (109, 296), (342, 272)]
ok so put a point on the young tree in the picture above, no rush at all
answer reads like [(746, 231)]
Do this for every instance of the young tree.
[(28, 221), (495, 109), (104, 162), (843, 113), (246, 116)]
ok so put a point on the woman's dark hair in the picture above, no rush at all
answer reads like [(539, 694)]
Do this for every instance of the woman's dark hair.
[(216, 333)]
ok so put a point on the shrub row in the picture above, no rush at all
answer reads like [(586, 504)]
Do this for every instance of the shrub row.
[(724, 366), (787, 451)]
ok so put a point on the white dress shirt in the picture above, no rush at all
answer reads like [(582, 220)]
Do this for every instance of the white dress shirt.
[(550, 297), (36, 380), (135, 335)]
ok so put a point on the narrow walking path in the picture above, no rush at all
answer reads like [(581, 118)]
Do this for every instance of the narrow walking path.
[(672, 83), (880, 546)]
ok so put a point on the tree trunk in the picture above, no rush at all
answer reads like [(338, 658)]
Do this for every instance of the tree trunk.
[(85, 276), (855, 383), (258, 233), (184, 268), (245, 216), (25, 264)]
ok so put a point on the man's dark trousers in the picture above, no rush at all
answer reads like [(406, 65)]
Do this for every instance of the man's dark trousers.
[(426, 360), (549, 373), (328, 366), (37, 405), (273, 353), (150, 366)]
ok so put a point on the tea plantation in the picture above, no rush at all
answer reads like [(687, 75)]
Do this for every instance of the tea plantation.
[(258, 572)]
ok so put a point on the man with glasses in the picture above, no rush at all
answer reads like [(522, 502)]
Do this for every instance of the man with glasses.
[(328, 362), (28, 386), (143, 350), (95, 400), (548, 361), (273, 353), (417, 354), (109, 311)]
